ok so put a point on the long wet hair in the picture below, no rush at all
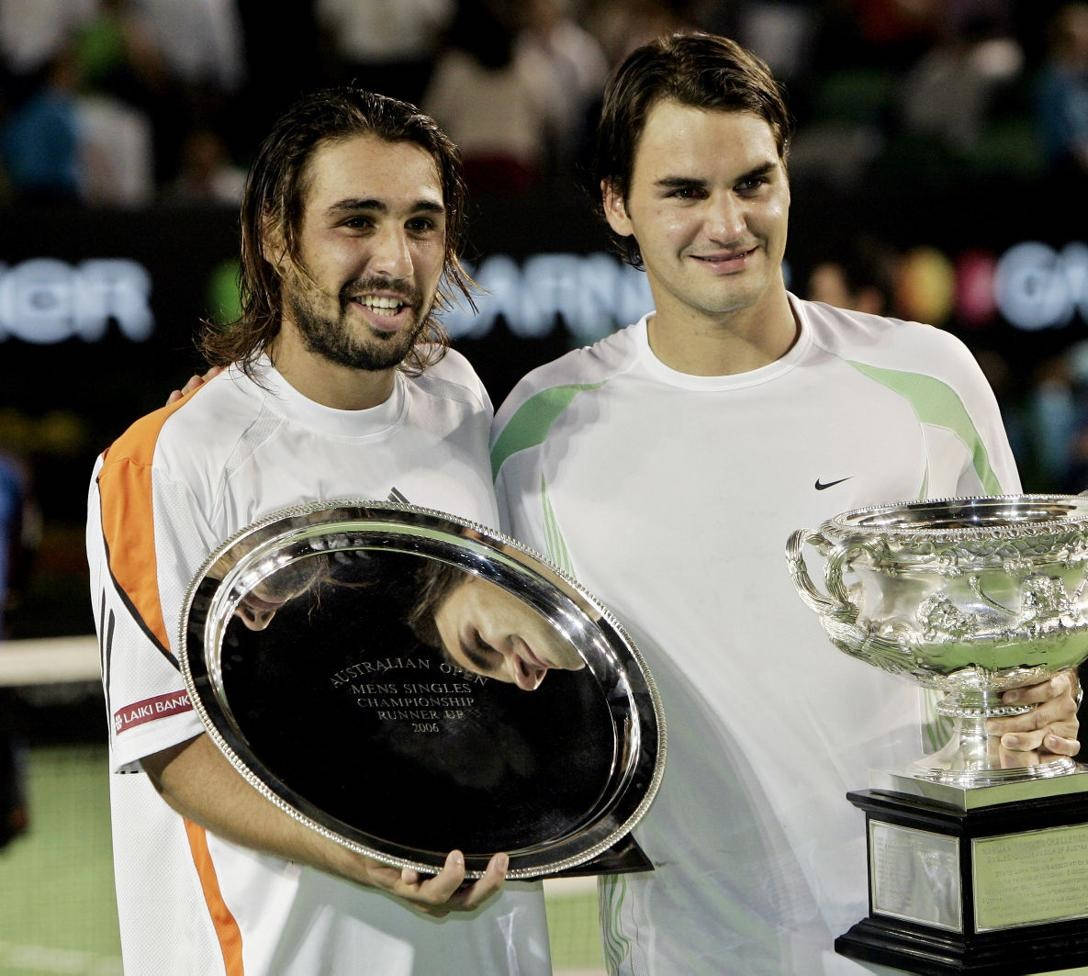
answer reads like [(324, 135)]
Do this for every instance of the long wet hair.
[(274, 198)]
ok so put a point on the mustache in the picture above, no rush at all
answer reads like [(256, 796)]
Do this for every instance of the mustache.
[(397, 287)]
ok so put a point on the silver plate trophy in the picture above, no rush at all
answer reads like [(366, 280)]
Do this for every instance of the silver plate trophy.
[(406, 682), (978, 858)]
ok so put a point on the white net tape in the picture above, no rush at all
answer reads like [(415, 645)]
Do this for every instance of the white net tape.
[(48, 660)]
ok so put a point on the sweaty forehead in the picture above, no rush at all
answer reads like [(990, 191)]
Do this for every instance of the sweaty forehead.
[(367, 167), (682, 140)]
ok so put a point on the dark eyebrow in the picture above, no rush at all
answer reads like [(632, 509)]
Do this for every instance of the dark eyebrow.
[(762, 170), (676, 182), (688, 182), (349, 206), (476, 657)]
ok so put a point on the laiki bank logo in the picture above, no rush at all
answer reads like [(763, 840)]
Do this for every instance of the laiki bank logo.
[(150, 709)]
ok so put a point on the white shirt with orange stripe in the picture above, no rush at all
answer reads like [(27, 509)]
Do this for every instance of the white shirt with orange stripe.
[(163, 496)]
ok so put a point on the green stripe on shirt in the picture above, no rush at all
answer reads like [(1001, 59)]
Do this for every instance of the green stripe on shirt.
[(557, 552), (936, 403), (532, 421), (616, 945)]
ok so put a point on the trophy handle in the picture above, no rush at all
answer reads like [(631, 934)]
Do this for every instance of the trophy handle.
[(837, 561), (837, 603)]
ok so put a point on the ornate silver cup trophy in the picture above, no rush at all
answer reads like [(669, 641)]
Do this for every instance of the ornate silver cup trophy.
[(406, 682), (969, 850)]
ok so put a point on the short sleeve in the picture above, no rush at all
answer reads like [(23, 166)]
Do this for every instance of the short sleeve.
[(146, 538)]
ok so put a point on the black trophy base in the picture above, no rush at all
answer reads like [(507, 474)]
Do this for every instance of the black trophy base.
[(927, 952), (998, 890)]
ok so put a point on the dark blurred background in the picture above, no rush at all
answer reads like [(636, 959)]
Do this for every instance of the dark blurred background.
[(939, 173)]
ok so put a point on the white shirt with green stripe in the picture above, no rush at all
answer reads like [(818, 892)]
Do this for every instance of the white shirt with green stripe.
[(671, 496)]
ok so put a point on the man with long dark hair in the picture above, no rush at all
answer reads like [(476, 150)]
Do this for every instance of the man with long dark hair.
[(666, 466), (338, 382)]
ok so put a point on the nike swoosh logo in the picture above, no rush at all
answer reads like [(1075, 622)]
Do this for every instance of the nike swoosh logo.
[(831, 484)]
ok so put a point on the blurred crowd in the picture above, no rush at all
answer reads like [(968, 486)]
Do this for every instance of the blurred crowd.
[(131, 103), (128, 102), (1043, 396)]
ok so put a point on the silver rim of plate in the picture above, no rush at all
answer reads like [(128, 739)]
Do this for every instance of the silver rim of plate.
[(626, 683)]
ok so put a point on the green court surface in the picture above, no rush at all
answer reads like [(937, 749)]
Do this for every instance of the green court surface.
[(57, 912), (575, 935)]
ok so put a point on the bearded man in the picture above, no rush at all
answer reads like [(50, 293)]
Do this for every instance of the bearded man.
[(338, 382)]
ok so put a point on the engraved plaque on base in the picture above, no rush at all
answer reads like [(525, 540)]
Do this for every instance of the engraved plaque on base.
[(976, 857), (1030, 878), (991, 890), (915, 876), (407, 683)]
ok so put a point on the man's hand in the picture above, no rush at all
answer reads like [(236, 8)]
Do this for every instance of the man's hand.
[(1048, 730), (195, 383), (441, 893), (197, 781)]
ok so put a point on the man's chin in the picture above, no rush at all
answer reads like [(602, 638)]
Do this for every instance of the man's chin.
[(374, 360), (373, 352), (728, 301)]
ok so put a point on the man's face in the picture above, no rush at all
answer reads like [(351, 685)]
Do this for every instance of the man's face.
[(372, 242), (708, 203), (487, 630)]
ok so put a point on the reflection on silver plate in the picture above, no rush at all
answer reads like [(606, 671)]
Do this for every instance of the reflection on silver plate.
[(406, 682)]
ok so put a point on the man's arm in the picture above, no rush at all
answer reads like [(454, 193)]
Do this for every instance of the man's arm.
[(198, 782)]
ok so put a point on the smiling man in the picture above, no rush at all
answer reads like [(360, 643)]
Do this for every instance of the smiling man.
[(666, 466), (338, 383)]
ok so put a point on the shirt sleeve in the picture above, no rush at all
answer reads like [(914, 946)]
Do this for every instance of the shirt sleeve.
[(522, 494), (147, 536), (992, 451)]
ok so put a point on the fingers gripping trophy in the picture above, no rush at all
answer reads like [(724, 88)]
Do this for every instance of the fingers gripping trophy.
[(978, 862)]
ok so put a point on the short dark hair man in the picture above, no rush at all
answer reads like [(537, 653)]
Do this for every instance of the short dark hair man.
[(665, 467), (340, 384)]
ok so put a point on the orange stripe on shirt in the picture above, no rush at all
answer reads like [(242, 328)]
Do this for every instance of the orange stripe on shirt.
[(226, 928), (124, 487)]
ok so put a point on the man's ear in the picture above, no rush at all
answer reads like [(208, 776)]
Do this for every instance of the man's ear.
[(274, 244), (615, 209)]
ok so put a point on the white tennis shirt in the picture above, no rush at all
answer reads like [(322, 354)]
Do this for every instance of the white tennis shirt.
[(170, 490), (671, 497)]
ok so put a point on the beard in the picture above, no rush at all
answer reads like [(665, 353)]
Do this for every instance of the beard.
[(334, 338)]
